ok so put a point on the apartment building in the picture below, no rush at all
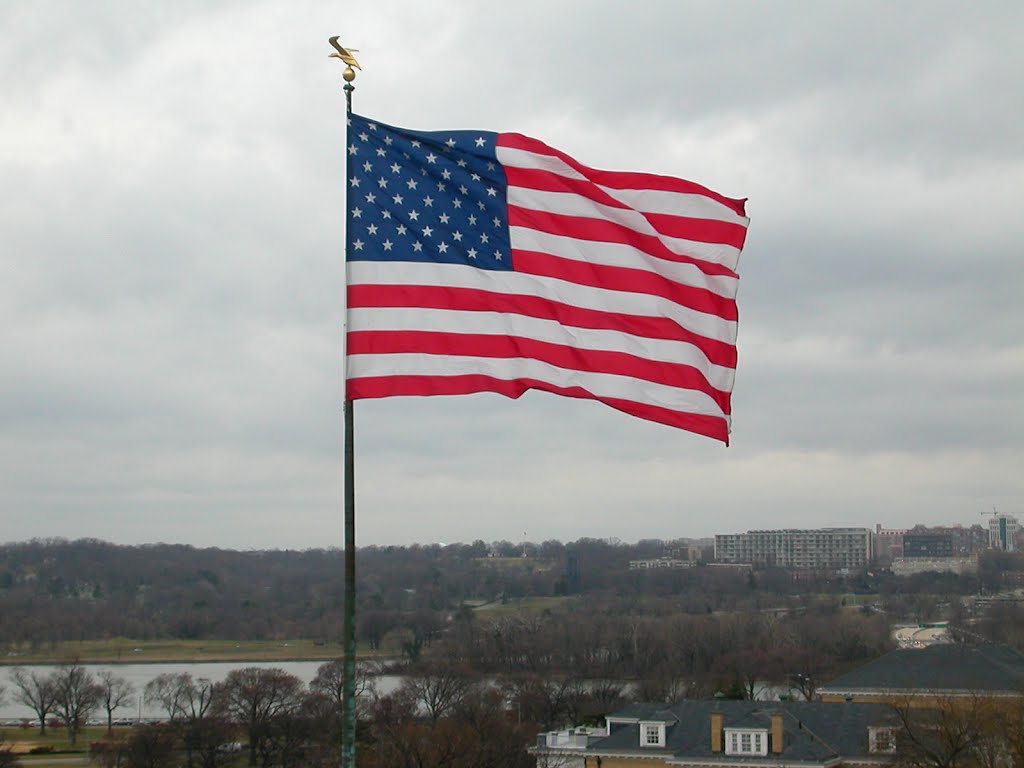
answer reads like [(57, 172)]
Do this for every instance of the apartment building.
[(822, 548)]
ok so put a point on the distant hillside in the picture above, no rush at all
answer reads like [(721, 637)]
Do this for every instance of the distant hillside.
[(54, 590)]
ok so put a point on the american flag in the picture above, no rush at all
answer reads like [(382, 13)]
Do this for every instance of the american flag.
[(490, 262)]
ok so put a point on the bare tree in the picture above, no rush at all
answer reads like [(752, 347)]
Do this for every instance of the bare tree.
[(438, 689), (116, 692), (254, 697), (37, 692), (77, 695), (943, 736), (330, 681)]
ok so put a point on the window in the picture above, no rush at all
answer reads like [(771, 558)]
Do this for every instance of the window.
[(746, 742), (882, 739), (652, 735)]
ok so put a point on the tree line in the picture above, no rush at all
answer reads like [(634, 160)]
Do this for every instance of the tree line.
[(56, 590)]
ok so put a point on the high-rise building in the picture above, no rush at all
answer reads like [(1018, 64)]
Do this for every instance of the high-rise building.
[(1002, 530), (822, 548)]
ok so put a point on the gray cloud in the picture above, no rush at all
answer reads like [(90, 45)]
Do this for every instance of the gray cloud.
[(172, 279)]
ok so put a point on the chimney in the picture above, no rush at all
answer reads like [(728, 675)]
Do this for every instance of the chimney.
[(777, 733), (717, 723)]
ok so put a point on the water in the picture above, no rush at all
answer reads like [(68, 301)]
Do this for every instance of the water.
[(140, 674)]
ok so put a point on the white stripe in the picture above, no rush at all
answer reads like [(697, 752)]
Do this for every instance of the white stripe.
[(570, 204), (516, 284), (619, 255), (665, 201), (646, 200), (600, 385), (520, 326)]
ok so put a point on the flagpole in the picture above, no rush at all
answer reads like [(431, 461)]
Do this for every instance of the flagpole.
[(348, 731)]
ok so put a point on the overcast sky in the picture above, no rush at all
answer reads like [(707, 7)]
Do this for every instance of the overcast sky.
[(172, 276)]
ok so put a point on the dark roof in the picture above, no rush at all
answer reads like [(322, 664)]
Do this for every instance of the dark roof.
[(813, 731), (943, 667)]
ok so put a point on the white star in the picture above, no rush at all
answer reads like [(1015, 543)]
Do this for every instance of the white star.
[(490, 166), (411, 183), (382, 182), (428, 201), (413, 216), (367, 167), (427, 231), (450, 142), (398, 199), (371, 198), (417, 246), (491, 192), (381, 152), (385, 214), (497, 255), (457, 203), (440, 186), (472, 220), (457, 236), (356, 213), (475, 177), (462, 163), (431, 158), (373, 126), (388, 140), (446, 174), (480, 204), (463, 190), (387, 245), (364, 136), (480, 142), (444, 218), (372, 229), (416, 143), (401, 229), (497, 221), (442, 248), (353, 149), (483, 237), (358, 245), (471, 253), (395, 168), (354, 181)]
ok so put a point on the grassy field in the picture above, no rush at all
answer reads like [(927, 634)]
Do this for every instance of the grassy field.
[(124, 651), (524, 605), (24, 740)]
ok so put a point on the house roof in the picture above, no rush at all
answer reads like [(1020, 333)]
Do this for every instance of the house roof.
[(944, 667), (814, 732)]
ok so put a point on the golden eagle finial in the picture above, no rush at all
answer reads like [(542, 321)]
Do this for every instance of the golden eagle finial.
[(345, 54)]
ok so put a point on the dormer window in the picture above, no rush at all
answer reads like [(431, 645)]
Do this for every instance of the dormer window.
[(652, 734), (746, 741), (881, 739)]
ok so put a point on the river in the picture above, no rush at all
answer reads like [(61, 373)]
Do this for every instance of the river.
[(140, 674)]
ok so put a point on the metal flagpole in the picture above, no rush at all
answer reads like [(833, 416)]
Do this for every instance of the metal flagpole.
[(348, 732)]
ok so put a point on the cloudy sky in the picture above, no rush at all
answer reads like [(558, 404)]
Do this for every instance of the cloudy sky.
[(172, 277)]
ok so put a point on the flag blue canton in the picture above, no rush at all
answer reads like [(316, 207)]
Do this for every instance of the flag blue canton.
[(427, 196)]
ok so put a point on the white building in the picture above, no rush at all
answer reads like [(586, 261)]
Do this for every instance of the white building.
[(1002, 530), (822, 548)]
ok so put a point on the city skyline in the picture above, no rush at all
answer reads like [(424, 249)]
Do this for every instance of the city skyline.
[(172, 299)]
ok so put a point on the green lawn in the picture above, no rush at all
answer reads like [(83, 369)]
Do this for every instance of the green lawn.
[(121, 650), (523, 605)]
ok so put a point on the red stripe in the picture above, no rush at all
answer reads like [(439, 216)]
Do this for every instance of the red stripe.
[(568, 358), (686, 227), (624, 279), (620, 179), (395, 386), (604, 231), (473, 300)]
